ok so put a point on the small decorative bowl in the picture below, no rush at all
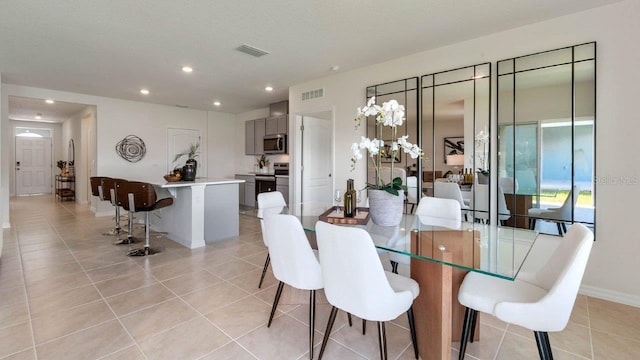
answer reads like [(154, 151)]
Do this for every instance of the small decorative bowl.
[(171, 178)]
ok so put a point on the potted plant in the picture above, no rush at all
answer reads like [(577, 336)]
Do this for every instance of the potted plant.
[(386, 199), (61, 164), (191, 165), (263, 163)]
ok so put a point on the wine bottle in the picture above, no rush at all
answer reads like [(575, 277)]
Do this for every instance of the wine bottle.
[(350, 200)]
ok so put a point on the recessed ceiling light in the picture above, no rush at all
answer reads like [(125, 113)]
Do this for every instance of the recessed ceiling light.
[(38, 116), (335, 68), (216, 103), (269, 88), (49, 101), (144, 91), (187, 69)]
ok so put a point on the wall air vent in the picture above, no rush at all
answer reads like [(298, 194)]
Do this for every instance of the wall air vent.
[(251, 50), (182, 106), (312, 94)]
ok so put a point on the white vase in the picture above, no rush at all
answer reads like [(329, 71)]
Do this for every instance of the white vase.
[(385, 209)]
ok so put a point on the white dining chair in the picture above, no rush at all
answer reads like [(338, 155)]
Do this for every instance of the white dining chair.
[(509, 185), (293, 262), (449, 190), (480, 204), (431, 211), (412, 192), (274, 201), (559, 215), (540, 301), (359, 285)]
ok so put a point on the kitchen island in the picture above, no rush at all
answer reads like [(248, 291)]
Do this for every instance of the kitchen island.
[(204, 210)]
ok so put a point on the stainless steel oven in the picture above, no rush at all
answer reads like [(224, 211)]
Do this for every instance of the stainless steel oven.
[(267, 182)]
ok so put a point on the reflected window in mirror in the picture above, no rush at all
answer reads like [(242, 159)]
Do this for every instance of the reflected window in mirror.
[(546, 137), (455, 138), (405, 92)]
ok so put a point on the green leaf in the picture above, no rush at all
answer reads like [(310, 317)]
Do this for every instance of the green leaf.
[(391, 191), (397, 182)]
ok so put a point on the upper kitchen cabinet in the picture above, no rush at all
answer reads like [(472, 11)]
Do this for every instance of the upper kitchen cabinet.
[(277, 125), (254, 131)]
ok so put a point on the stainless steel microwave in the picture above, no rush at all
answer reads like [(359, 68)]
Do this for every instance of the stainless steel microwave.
[(275, 144)]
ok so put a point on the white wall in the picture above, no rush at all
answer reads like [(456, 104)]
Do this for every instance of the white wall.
[(612, 267), (116, 119), (222, 147)]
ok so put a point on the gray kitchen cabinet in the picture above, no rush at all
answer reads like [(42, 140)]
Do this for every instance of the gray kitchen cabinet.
[(247, 191), (254, 131), (277, 125), (282, 185)]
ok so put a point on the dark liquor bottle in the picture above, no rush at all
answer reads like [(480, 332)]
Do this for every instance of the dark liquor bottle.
[(350, 200)]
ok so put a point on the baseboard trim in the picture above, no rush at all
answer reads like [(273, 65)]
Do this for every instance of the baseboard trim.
[(610, 295)]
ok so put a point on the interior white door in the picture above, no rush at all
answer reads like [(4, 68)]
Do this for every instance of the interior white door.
[(179, 140), (317, 160), (33, 165)]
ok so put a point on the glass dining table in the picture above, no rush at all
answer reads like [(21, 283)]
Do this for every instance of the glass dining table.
[(439, 253)]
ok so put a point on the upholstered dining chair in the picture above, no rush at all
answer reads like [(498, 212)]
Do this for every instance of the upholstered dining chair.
[(449, 190), (412, 192), (275, 202), (134, 197), (293, 262), (431, 211), (558, 215), (480, 203), (508, 184), (359, 285), (540, 301)]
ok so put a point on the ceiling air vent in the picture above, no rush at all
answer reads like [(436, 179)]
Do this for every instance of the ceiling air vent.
[(250, 50), (312, 94)]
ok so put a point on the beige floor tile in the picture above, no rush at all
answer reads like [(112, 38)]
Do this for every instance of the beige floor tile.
[(231, 269), (257, 259), (52, 271), (130, 353), (609, 346), (335, 351), (580, 313), (15, 338), (518, 347), (173, 269), (62, 283), (301, 313), (192, 281), (367, 345), (615, 319), (190, 340), (139, 299), (13, 314), (249, 281), (245, 249), (150, 321), (125, 283), (491, 320), (28, 354), (115, 270), (91, 343), (13, 294), (241, 317), (54, 325), (214, 297), (62, 300), (103, 258), (487, 347), (230, 351), (287, 338)]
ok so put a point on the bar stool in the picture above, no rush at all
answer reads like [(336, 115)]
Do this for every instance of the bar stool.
[(108, 194), (96, 190), (136, 196)]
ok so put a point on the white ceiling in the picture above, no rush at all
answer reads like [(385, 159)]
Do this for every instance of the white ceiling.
[(26, 109), (114, 48)]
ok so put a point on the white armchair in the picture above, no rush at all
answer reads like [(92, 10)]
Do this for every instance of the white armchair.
[(559, 215)]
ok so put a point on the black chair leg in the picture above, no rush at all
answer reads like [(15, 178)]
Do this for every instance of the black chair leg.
[(312, 321), (412, 328), (559, 228), (532, 224), (394, 266), (382, 340), (332, 319), (564, 228), (364, 327), (544, 347), (466, 327), (349, 318), (474, 318), (264, 270), (275, 302)]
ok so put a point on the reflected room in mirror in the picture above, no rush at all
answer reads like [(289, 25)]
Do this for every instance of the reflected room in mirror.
[(546, 132)]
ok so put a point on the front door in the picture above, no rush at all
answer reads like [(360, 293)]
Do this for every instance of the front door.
[(317, 160), (33, 165)]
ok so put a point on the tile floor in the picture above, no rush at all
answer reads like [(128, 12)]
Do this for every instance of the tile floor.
[(67, 293)]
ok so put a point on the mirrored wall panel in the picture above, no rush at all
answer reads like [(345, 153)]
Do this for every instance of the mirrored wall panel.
[(546, 138), (406, 93), (455, 138)]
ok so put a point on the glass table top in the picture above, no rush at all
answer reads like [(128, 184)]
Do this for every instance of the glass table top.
[(493, 250)]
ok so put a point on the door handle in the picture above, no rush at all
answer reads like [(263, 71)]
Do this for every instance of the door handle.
[(329, 175)]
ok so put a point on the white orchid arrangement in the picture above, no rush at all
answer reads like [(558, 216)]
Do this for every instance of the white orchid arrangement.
[(389, 114), (482, 139)]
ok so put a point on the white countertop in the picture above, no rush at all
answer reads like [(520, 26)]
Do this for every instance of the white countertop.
[(198, 182)]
